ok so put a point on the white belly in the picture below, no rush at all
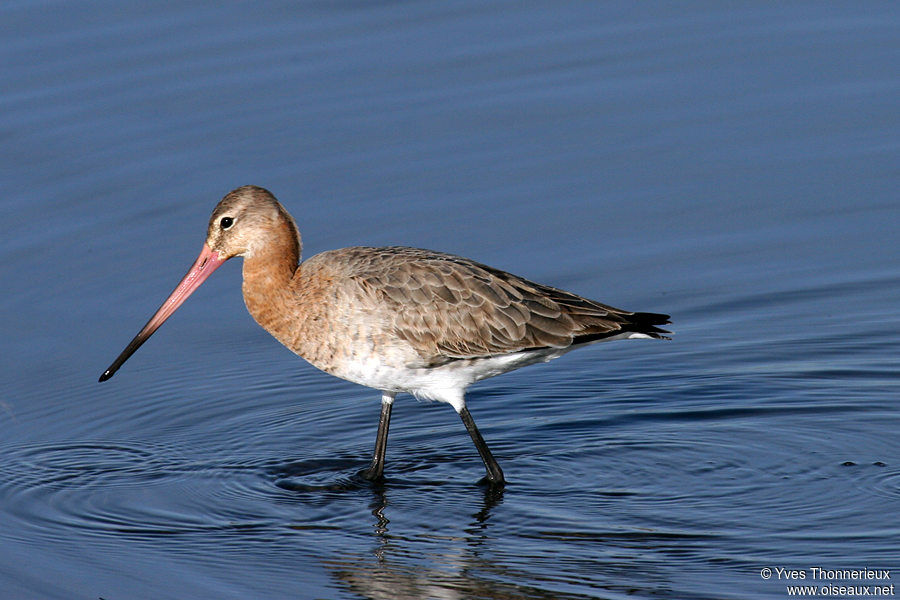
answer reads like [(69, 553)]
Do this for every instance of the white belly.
[(393, 371)]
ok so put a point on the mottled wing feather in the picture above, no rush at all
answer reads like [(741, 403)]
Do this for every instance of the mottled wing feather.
[(449, 307)]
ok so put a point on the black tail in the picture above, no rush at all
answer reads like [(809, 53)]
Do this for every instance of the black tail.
[(639, 322), (646, 323)]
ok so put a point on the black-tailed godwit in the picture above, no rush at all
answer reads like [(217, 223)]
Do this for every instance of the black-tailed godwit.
[(395, 319)]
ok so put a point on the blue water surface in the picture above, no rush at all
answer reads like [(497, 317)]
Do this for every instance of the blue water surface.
[(734, 165)]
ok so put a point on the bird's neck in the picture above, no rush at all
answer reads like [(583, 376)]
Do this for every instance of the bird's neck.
[(267, 287)]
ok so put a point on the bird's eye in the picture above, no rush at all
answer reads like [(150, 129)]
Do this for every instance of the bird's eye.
[(226, 222)]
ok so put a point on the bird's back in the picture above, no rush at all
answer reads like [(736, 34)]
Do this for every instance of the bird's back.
[(447, 307)]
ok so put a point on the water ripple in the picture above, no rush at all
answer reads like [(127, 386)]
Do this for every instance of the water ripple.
[(136, 490)]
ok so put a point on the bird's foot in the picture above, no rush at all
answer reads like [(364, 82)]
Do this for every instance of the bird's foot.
[(492, 482), (372, 474)]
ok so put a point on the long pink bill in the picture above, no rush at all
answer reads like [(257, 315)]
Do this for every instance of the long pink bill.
[(206, 263)]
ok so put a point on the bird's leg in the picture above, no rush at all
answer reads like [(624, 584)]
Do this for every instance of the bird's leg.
[(494, 473), (376, 470)]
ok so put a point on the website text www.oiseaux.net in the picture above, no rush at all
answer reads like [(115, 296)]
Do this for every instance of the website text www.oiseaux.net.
[(841, 583)]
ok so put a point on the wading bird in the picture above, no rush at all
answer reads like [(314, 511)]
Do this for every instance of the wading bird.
[(395, 319)]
